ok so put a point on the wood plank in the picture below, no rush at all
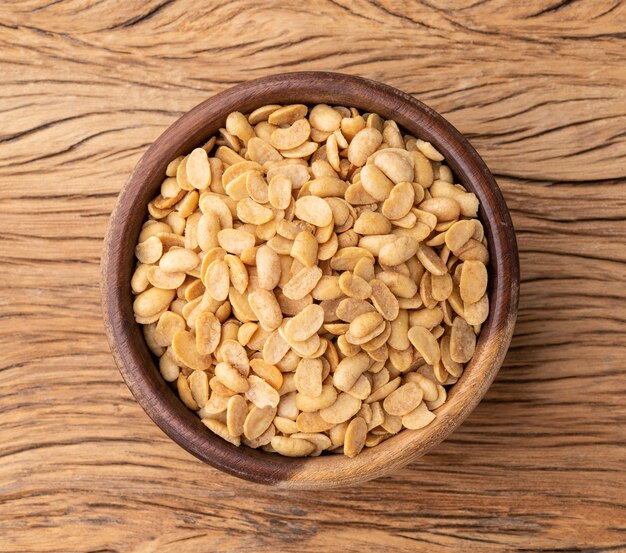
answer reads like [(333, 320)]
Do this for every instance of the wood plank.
[(539, 89)]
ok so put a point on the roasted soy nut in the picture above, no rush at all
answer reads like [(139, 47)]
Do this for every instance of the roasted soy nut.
[(311, 279)]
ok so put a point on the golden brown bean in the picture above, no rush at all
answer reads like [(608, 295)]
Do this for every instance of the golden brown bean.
[(364, 144), (424, 342), (462, 341), (314, 210), (403, 400), (354, 438), (325, 118), (266, 308), (305, 324)]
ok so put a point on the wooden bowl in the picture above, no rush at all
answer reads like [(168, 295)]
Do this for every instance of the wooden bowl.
[(137, 365)]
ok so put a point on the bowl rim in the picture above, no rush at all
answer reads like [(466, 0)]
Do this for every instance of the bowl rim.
[(138, 367)]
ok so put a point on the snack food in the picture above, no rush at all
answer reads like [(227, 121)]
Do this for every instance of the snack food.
[(311, 279)]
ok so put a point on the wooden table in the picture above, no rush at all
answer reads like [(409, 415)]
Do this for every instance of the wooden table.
[(539, 88)]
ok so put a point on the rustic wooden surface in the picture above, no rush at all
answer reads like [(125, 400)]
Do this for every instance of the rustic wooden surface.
[(538, 86)]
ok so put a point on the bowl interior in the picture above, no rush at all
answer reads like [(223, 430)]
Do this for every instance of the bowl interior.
[(137, 365)]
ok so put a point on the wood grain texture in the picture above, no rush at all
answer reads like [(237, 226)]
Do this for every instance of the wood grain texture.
[(195, 128), (537, 86)]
